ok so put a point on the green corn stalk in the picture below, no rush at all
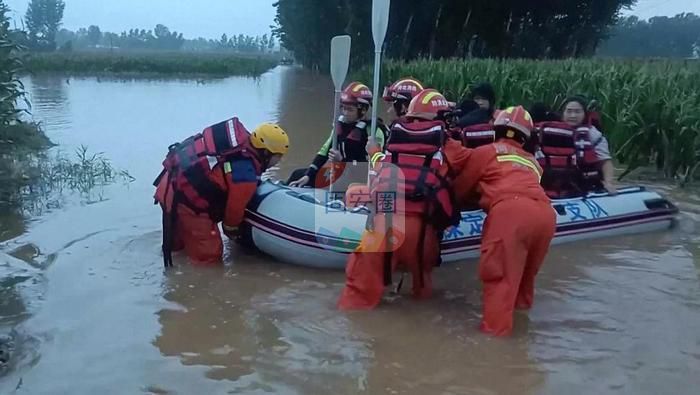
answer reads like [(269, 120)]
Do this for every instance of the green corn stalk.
[(650, 109)]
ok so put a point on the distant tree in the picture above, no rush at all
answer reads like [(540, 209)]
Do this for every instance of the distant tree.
[(676, 37), (447, 28), (43, 19), (94, 35)]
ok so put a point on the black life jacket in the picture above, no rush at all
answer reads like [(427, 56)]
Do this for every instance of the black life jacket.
[(353, 138)]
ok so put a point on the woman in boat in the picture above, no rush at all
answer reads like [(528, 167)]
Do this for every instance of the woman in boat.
[(352, 131), (575, 113)]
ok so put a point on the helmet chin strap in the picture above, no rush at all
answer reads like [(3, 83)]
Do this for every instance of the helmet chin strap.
[(265, 156)]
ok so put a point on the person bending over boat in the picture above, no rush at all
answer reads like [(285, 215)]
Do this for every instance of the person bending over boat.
[(575, 113), (352, 132), (520, 222), (196, 196), (407, 235), (399, 95)]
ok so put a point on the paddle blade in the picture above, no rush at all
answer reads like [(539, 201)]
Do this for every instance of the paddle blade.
[(380, 21), (340, 59)]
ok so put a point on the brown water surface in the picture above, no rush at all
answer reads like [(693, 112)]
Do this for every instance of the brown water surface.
[(89, 309)]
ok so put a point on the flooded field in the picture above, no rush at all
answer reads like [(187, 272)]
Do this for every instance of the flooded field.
[(86, 307)]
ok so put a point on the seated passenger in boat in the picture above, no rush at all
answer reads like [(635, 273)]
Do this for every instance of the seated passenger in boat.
[(399, 96), (574, 153), (352, 131), (484, 96), (475, 125)]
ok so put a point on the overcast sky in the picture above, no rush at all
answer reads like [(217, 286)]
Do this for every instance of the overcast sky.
[(211, 18)]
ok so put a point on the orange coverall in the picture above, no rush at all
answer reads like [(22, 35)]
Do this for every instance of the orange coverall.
[(199, 234), (364, 271), (415, 248), (519, 226)]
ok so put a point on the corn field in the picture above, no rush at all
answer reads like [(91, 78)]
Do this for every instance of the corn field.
[(650, 109)]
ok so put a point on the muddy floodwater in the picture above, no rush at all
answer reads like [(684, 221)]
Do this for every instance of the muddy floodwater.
[(86, 307)]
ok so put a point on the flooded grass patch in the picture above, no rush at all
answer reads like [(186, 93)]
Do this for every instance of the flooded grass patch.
[(34, 182), (166, 63)]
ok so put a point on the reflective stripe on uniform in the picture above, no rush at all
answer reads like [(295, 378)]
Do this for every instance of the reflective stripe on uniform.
[(522, 161), (376, 157)]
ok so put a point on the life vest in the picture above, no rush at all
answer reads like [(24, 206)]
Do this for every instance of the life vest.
[(477, 135), (410, 171), (185, 178), (357, 134), (568, 158)]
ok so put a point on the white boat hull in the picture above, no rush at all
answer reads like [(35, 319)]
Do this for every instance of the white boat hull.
[(295, 226)]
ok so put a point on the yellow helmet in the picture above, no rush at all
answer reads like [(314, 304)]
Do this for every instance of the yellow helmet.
[(270, 137)]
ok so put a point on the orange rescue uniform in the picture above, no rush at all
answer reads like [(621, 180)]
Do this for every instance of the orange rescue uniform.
[(411, 171), (198, 234), (519, 226)]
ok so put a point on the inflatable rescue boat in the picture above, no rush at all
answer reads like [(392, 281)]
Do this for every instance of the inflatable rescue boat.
[(309, 227)]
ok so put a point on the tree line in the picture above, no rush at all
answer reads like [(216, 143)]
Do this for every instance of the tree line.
[(160, 38), (450, 28), (661, 36), (42, 32)]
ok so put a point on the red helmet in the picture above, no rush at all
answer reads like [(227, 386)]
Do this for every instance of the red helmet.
[(356, 93), (515, 118), (427, 105), (403, 89)]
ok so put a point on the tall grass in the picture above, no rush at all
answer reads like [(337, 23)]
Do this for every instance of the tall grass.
[(34, 182), (149, 62), (651, 109)]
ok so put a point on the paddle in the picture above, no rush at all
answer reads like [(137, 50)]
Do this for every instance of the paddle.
[(340, 61), (380, 23)]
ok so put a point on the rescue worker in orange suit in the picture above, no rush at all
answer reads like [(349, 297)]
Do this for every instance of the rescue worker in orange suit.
[(195, 197), (520, 221), (408, 237), (399, 95)]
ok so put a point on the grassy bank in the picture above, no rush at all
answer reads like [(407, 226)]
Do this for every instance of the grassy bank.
[(650, 109), (176, 63)]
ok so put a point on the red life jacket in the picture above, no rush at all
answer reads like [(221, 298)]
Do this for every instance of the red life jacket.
[(410, 171), (186, 168), (477, 135), (567, 157)]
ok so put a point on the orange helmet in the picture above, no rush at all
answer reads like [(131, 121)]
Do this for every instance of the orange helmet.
[(356, 93), (516, 118), (427, 104), (403, 89)]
